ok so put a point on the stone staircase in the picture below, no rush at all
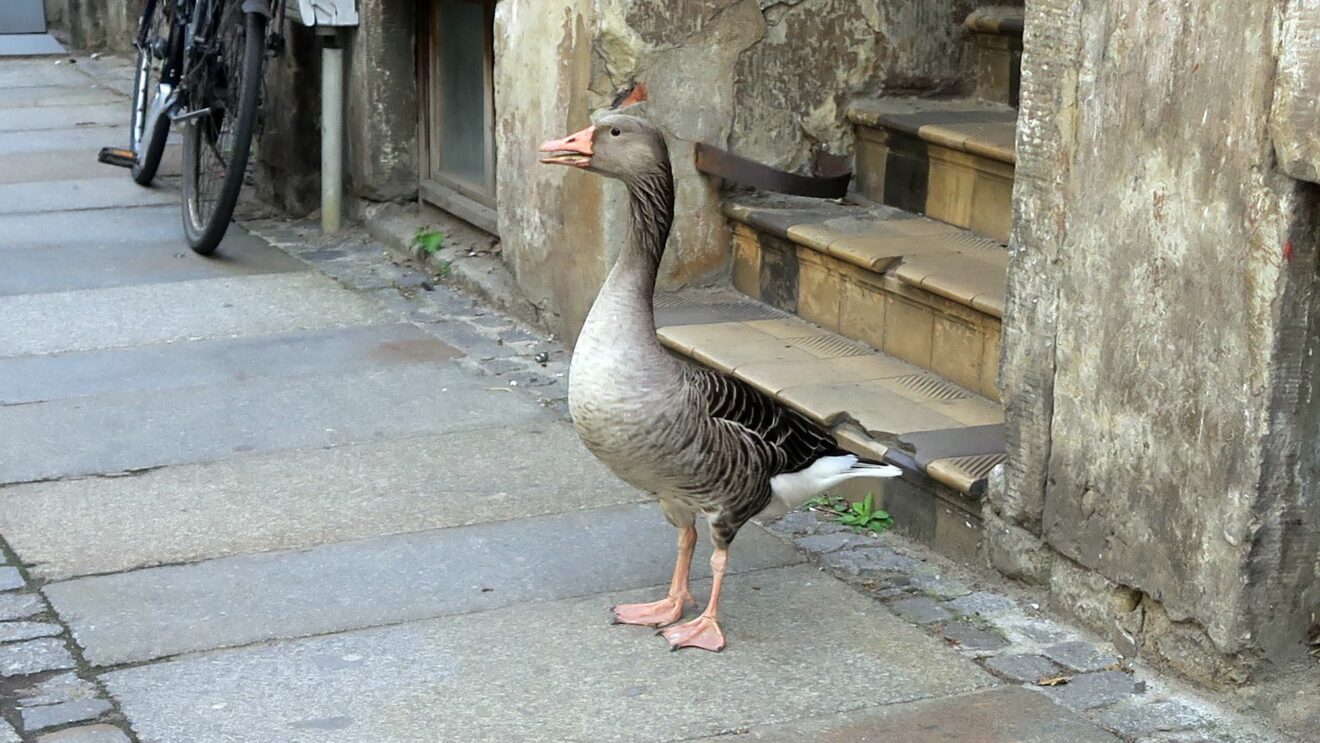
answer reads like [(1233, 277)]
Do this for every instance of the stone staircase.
[(879, 315)]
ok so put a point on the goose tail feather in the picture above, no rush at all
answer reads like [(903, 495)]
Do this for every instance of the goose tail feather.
[(792, 489)]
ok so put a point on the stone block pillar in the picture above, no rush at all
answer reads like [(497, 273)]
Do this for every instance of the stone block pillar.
[(1159, 336), (381, 119)]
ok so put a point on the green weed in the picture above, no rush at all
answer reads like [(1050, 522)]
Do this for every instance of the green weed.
[(429, 240), (861, 516)]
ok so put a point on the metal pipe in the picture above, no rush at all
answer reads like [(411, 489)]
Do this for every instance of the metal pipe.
[(332, 130)]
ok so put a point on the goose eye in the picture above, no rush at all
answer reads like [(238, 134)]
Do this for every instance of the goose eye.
[(615, 132)]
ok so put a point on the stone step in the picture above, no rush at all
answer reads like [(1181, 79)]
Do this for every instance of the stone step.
[(925, 292), (996, 37), (871, 400), (951, 160)]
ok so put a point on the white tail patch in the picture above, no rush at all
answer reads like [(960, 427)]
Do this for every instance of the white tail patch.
[(791, 489)]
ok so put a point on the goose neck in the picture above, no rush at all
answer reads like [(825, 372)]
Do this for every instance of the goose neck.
[(651, 214)]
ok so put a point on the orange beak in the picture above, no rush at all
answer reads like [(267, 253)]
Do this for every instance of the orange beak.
[(573, 150)]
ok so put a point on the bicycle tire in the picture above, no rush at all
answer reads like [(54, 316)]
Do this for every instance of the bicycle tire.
[(149, 147), (204, 234)]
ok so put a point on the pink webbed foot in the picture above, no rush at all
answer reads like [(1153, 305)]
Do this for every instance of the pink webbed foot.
[(703, 632), (655, 614)]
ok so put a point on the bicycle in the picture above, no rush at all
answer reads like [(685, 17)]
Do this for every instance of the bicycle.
[(199, 64)]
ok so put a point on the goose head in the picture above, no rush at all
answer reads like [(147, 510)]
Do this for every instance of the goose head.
[(617, 146)]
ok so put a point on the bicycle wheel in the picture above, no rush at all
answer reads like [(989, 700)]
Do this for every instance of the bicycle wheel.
[(152, 44), (226, 81)]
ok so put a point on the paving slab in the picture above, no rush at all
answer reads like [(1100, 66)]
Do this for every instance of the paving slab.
[(10, 578), (1024, 668), (1005, 715), (981, 603), (107, 67), (137, 315), (55, 95), (86, 734), (855, 561), (108, 266), (157, 612), (53, 715), (19, 605), (217, 361), (302, 498), (966, 636), (1080, 656), (89, 139), (29, 73), (34, 656), (1091, 690), (81, 194), (139, 430), (29, 45), (64, 687), (920, 609), (551, 672), (60, 117), (15, 631), (100, 227), (35, 167)]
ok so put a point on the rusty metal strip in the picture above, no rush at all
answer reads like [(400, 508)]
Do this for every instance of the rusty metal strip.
[(714, 161)]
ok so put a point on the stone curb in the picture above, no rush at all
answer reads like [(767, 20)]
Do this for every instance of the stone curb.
[(484, 277)]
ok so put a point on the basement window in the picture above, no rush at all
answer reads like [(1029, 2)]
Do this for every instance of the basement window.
[(457, 127)]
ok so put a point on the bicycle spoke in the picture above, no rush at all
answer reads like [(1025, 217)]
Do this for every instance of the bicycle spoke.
[(221, 95), (217, 86)]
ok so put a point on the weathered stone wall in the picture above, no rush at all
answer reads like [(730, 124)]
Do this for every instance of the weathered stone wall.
[(95, 25), (381, 100), (552, 222), (1296, 111), (380, 117), (287, 162), (1160, 292), (57, 15), (769, 80)]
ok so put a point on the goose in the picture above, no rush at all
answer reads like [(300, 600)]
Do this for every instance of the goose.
[(700, 441)]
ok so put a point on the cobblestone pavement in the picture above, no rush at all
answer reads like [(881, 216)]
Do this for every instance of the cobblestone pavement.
[(303, 492)]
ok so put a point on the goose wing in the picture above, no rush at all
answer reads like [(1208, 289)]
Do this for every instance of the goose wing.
[(793, 440)]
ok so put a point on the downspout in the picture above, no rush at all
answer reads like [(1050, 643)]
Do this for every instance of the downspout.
[(332, 129)]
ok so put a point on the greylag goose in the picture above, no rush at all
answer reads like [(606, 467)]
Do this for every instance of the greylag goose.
[(702, 442)]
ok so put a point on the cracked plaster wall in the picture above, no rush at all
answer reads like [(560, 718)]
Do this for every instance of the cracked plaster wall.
[(1156, 367), (768, 80)]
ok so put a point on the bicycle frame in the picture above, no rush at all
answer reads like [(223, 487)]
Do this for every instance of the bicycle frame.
[(189, 21)]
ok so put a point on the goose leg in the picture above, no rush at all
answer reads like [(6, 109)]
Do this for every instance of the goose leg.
[(704, 632), (669, 609)]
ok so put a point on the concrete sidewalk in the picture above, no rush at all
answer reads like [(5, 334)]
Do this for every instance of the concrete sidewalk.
[(296, 493)]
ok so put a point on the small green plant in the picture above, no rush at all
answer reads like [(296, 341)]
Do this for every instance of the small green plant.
[(822, 503), (443, 268), (864, 516), (429, 240)]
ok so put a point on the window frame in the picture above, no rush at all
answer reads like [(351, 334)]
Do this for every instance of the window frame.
[(472, 202)]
